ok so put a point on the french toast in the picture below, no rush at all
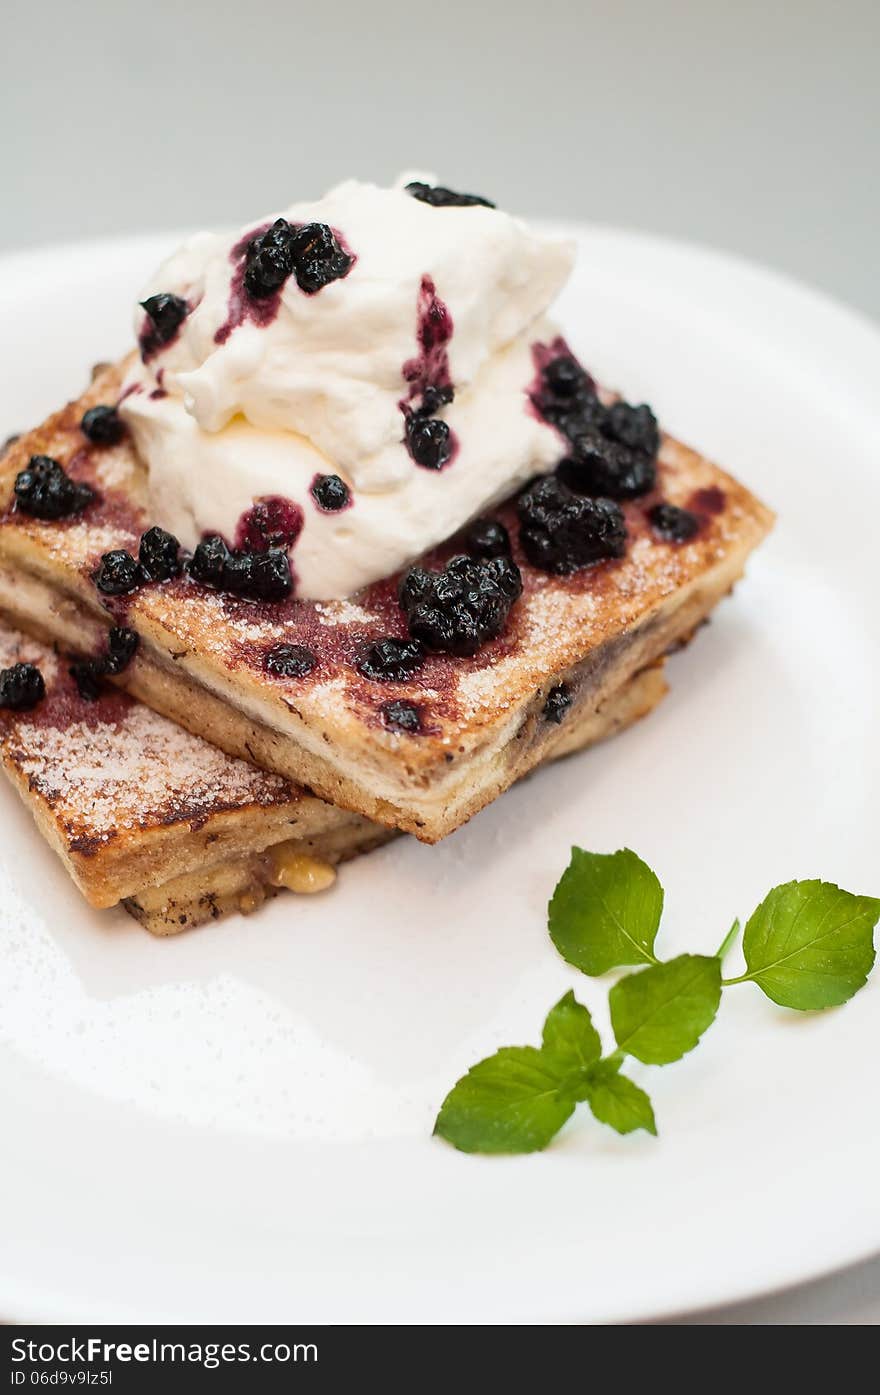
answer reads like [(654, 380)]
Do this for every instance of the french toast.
[(144, 813), (484, 721)]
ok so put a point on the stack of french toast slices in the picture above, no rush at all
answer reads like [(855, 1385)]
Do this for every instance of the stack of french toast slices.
[(195, 779)]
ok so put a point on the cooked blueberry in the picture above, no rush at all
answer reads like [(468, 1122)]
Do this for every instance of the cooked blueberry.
[(391, 660), (46, 491), (122, 645), (166, 313), (673, 524), (289, 661), (159, 554), (635, 427), (433, 398), (486, 537), (318, 258), (564, 376), (401, 716), (269, 260), (561, 531), (457, 610), (606, 468), (557, 704), (428, 441), (103, 426), (439, 197), (414, 586), (567, 397), (21, 687), (330, 493), (87, 675), (118, 573), (258, 576), (208, 562)]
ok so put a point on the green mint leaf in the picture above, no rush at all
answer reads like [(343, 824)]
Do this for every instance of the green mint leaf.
[(509, 1103), (570, 1039), (605, 911), (617, 1101), (810, 945), (660, 1014), (728, 940)]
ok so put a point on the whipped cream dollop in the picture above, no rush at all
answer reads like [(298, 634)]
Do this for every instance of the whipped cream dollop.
[(432, 318)]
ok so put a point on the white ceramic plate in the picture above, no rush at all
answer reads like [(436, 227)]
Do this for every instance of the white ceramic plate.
[(236, 1125)]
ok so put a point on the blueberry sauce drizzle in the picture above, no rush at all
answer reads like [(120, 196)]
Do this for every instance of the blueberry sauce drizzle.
[(271, 521), (242, 306), (430, 441)]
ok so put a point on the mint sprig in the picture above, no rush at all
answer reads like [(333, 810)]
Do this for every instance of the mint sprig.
[(606, 911), (809, 945)]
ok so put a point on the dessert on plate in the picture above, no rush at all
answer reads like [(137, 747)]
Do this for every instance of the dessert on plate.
[(145, 814), (372, 523)]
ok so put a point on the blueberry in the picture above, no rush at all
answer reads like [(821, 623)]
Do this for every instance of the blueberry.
[(428, 441), (166, 313), (564, 376), (209, 560), (414, 586), (330, 493), (558, 702), (87, 675), (103, 426), (606, 468), (258, 576), (457, 610), (159, 554), (118, 573), (486, 537), (289, 661), (434, 397), (318, 258), (44, 490), (635, 427), (673, 524), (561, 531), (401, 716), (439, 197), (122, 645), (567, 398), (390, 660), (269, 260), (21, 687)]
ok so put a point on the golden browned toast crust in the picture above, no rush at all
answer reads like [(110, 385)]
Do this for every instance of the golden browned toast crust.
[(128, 799), (143, 811), (202, 654)]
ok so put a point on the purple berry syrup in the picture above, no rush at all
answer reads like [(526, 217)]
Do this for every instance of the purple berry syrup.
[(428, 372), (242, 306), (270, 522)]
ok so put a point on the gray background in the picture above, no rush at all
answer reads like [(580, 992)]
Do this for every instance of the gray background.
[(753, 127)]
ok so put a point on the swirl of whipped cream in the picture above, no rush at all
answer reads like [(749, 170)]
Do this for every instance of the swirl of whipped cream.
[(253, 398)]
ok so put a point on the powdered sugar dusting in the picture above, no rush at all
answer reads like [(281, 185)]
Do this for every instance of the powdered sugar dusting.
[(135, 773), (18, 649)]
